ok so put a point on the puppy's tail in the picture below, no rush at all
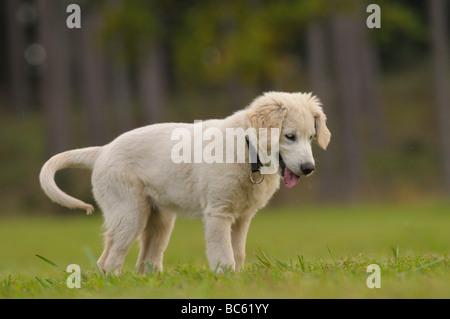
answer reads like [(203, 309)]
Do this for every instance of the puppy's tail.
[(82, 158)]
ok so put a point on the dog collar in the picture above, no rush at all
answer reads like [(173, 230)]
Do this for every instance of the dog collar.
[(256, 164)]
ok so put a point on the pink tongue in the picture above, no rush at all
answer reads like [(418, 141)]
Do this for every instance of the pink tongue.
[(290, 179)]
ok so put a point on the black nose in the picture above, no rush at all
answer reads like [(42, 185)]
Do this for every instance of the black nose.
[(307, 168)]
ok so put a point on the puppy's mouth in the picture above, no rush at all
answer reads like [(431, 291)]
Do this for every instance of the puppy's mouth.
[(290, 179)]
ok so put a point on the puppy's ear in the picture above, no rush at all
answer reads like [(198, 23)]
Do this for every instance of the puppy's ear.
[(323, 135), (267, 115)]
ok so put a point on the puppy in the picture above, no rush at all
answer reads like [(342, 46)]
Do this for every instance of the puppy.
[(141, 189)]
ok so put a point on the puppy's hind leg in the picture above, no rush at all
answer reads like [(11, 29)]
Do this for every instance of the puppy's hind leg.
[(154, 240), (125, 218)]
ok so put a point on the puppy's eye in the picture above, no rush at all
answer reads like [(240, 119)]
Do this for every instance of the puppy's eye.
[(311, 137), (290, 137)]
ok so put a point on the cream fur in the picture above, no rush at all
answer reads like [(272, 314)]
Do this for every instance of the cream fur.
[(140, 190)]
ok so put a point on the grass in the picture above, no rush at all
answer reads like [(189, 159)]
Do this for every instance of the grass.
[(308, 252)]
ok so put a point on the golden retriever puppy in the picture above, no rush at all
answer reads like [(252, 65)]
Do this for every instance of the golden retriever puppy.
[(144, 178)]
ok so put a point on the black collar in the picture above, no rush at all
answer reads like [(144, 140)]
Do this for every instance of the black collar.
[(256, 165)]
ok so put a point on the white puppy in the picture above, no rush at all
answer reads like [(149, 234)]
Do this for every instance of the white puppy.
[(140, 189)]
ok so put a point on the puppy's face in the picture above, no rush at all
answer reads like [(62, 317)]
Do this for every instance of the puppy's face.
[(304, 122), (300, 120)]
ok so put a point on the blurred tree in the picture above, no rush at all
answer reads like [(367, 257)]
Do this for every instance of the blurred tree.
[(18, 68), (152, 83), (55, 82), (320, 78), (345, 39), (120, 81), (143, 31), (93, 74), (121, 94), (438, 15), (403, 36), (359, 110), (370, 93)]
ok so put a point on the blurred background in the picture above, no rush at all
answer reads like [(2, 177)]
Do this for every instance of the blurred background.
[(132, 63)]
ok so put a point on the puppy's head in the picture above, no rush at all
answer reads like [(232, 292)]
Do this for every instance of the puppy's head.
[(299, 119)]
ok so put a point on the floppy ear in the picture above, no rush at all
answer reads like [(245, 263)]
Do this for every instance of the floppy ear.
[(323, 135), (267, 115)]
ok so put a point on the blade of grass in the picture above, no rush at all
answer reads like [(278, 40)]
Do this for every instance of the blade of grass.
[(41, 282), (217, 267), (428, 265), (331, 254), (396, 251), (51, 263), (90, 256), (263, 259), (302, 263), (51, 282), (282, 265)]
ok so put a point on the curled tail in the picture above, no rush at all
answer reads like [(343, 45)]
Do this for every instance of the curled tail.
[(83, 158)]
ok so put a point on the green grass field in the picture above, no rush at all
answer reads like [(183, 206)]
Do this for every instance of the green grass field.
[(302, 252)]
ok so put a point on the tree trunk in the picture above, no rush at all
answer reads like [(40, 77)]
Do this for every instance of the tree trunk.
[(319, 76), (120, 81), (236, 96), (345, 47), (371, 101), (55, 81), (121, 92), (439, 47), (93, 86), (20, 84), (153, 84)]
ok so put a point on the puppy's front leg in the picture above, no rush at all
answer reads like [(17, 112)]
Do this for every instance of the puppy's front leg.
[(218, 242), (238, 236)]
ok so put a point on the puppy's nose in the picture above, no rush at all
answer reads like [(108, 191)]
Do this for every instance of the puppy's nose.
[(307, 168)]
